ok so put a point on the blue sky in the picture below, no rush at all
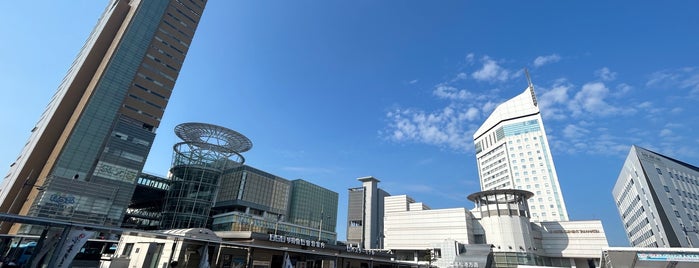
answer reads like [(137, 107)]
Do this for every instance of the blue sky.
[(329, 91)]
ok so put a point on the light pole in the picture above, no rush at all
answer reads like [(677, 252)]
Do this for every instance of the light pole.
[(320, 226), (276, 225)]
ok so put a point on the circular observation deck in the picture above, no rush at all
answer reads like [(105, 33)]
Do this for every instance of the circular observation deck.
[(500, 202), (202, 133)]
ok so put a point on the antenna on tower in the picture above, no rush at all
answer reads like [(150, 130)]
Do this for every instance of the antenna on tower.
[(529, 79), (530, 86)]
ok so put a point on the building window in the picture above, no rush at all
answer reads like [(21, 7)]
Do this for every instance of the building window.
[(127, 249), (672, 201), (666, 189), (677, 213), (659, 172)]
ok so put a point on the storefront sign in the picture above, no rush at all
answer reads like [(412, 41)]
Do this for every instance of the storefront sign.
[(62, 199), (367, 251), (296, 241), (464, 265), (667, 257), (575, 231)]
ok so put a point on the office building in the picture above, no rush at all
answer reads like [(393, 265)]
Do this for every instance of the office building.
[(365, 213), (312, 205), (658, 200), (512, 152), (87, 149), (252, 200)]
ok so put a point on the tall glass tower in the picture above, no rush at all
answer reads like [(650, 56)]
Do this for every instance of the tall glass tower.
[(513, 152), (87, 149)]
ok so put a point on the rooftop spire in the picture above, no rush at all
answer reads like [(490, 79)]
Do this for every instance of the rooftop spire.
[(530, 86)]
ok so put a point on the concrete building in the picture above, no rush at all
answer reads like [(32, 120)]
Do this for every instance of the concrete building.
[(658, 200), (497, 232), (512, 152), (87, 149), (365, 213)]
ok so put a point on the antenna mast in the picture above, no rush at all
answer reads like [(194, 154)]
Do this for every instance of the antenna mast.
[(531, 86), (529, 79)]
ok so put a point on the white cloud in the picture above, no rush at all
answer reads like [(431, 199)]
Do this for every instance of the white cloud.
[(470, 114), (451, 93), (665, 132), (543, 60), (447, 127), (470, 57), (412, 81), (489, 106), (683, 78), (574, 132), (491, 71), (591, 100), (460, 76), (645, 105), (605, 74), (551, 102), (622, 89)]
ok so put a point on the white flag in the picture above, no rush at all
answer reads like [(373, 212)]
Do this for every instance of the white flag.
[(287, 261), (71, 246)]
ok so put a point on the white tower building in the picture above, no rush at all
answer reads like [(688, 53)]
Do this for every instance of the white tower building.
[(512, 152)]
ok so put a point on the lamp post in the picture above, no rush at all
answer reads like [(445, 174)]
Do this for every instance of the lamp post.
[(320, 226), (276, 225)]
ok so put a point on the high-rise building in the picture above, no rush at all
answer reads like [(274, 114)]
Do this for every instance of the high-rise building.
[(658, 200), (365, 212), (87, 149), (512, 152)]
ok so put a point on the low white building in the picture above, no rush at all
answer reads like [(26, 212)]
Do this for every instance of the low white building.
[(498, 232)]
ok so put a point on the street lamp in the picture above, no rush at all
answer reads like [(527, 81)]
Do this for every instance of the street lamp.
[(276, 225), (320, 226)]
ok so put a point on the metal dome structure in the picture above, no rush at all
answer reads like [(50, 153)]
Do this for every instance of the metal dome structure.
[(198, 161)]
